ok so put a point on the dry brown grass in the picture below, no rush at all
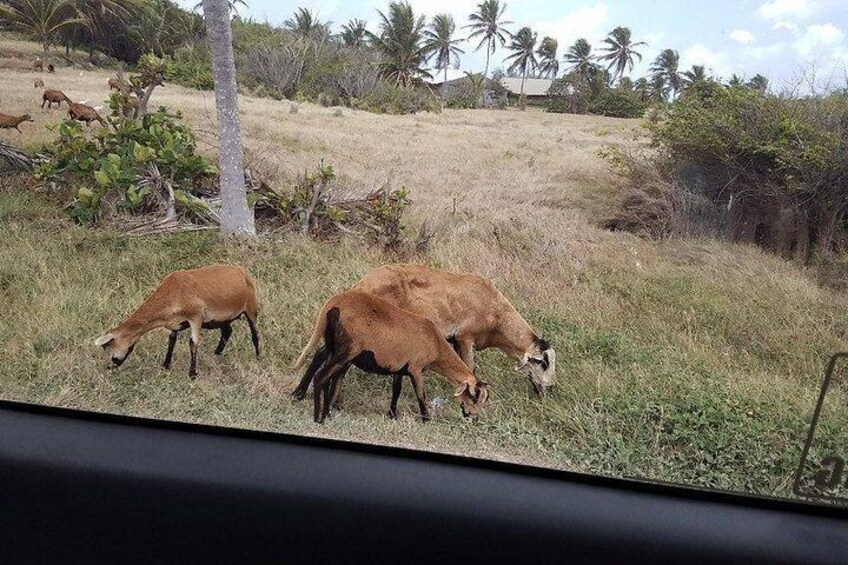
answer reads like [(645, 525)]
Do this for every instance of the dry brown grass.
[(668, 351)]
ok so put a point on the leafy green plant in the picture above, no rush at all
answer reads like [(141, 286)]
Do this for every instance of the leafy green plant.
[(140, 164)]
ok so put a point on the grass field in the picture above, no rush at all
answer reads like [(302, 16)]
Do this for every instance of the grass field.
[(687, 361)]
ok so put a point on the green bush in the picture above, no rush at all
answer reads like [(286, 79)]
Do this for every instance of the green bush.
[(191, 66), (616, 103), (133, 164), (389, 98)]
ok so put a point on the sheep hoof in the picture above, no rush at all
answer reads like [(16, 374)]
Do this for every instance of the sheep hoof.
[(298, 394), (193, 375), (392, 414)]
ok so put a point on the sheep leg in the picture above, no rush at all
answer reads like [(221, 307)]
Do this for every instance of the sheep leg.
[(254, 333), (337, 390), (194, 339), (397, 385), (321, 388), (169, 354), (465, 350), (226, 332), (418, 384), (321, 355)]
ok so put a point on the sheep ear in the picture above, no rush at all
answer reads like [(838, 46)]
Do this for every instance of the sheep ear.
[(104, 340), (461, 389)]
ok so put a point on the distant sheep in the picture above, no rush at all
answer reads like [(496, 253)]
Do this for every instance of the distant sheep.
[(52, 96), (9, 122), (38, 65), (119, 85), (38, 83), (85, 113), (372, 334), (206, 298)]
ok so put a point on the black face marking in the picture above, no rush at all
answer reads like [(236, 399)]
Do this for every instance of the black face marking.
[(546, 362), (541, 343), (119, 362)]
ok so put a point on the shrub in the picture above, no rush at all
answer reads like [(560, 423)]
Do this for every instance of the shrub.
[(389, 98), (616, 103), (190, 66), (138, 166), (774, 168)]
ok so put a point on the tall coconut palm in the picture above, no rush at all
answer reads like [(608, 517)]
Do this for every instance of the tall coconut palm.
[(43, 20), (642, 89), (306, 24), (580, 57), (441, 42), (620, 51), (548, 58), (401, 43), (354, 33), (735, 81), (694, 75), (488, 24), (523, 55), (664, 71), (236, 216)]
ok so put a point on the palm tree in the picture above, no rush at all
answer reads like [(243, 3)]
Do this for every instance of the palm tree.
[(486, 23), (306, 24), (664, 71), (441, 43), (43, 20), (580, 57), (523, 55), (735, 81), (696, 75), (354, 33), (758, 82), (620, 51), (401, 42), (642, 89), (236, 216), (101, 17), (548, 60)]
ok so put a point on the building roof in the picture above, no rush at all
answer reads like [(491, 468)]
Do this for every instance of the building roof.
[(532, 86)]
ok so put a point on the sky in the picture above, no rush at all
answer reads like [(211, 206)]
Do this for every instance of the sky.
[(778, 38)]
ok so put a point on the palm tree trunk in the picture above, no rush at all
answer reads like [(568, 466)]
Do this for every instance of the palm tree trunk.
[(488, 53), (236, 216), (521, 101)]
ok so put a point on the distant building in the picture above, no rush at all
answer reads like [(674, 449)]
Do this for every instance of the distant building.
[(535, 89)]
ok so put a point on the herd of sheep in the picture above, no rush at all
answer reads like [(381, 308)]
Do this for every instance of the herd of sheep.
[(399, 320), (76, 110)]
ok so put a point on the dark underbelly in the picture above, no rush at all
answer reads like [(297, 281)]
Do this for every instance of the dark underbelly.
[(366, 362), (216, 325)]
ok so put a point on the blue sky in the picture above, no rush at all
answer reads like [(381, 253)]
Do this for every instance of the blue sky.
[(774, 37)]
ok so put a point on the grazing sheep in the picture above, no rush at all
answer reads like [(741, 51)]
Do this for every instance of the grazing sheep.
[(209, 298), (38, 65), (471, 313), (119, 85), (51, 68), (38, 83), (51, 96), (371, 333), (84, 113), (8, 122)]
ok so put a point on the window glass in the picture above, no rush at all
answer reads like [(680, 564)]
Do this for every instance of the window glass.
[(608, 237)]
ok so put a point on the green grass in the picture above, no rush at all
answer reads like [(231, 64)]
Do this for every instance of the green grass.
[(703, 373)]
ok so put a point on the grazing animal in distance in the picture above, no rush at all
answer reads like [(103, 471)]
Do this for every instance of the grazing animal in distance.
[(85, 113), (52, 96), (38, 83), (119, 85), (372, 334), (8, 122), (51, 68), (38, 64), (210, 297)]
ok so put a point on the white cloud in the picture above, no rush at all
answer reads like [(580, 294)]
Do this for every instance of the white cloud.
[(589, 22), (653, 39), (817, 38), (716, 62), (742, 36), (787, 25), (786, 9), (764, 52)]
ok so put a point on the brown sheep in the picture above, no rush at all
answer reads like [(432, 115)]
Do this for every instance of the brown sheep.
[(38, 65), (84, 113), (51, 96), (38, 83), (471, 313), (119, 85), (372, 334), (206, 298), (8, 122)]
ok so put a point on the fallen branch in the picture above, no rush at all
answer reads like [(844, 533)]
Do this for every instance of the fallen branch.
[(15, 157)]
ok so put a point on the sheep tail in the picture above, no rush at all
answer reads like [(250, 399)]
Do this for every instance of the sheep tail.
[(317, 335)]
